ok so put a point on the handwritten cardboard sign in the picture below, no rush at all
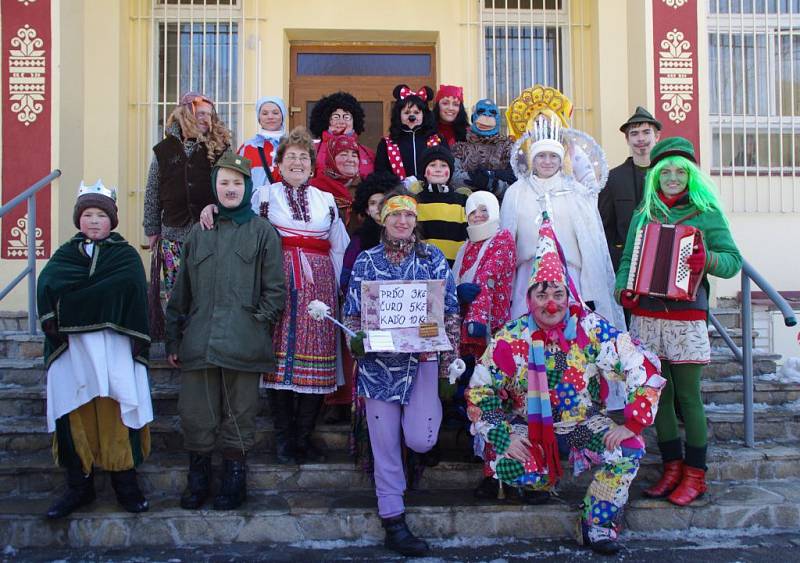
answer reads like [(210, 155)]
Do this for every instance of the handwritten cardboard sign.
[(402, 305), (399, 307)]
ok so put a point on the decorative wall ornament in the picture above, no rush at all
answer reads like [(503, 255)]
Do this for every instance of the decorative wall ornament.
[(18, 241), (676, 81), (675, 3), (27, 67)]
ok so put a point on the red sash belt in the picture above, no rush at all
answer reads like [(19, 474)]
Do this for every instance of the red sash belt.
[(297, 246)]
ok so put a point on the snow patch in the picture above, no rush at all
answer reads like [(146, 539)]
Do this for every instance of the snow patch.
[(332, 544), (9, 550), (471, 542), (790, 370)]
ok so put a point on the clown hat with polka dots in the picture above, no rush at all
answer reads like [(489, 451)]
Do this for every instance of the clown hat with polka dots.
[(547, 264)]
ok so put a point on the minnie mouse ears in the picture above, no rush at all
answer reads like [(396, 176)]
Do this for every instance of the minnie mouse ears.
[(402, 92)]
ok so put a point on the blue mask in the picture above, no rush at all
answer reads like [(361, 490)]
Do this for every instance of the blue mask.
[(486, 109)]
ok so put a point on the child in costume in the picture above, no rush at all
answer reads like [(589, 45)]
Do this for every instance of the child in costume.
[(227, 298), (676, 191), (412, 130), (441, 216), (92, 301), (539, 388), (485, 154)]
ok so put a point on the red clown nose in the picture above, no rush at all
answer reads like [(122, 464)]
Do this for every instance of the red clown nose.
[(551, 307)]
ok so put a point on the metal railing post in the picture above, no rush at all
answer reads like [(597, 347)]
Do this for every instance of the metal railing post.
[(32, 264), (747, 361)]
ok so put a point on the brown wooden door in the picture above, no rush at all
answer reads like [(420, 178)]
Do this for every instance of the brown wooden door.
[(369, 73)]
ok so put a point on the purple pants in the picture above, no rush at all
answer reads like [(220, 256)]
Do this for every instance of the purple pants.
[(420, 420)]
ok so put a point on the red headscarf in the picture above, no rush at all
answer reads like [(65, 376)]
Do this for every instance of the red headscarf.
[(337, 144)]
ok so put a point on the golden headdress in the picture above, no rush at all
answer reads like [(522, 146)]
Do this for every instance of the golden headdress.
[(535, 101)]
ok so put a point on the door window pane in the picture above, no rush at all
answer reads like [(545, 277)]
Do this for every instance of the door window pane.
[(363, 64)]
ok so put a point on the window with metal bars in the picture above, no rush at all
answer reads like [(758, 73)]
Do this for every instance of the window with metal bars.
[(754, 80), (524, 42), (200, 56)]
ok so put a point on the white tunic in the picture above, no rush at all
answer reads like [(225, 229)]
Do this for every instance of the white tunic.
[(98, 364), (324, 220), (573, 211)]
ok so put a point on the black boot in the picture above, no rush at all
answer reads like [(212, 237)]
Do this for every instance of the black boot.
[(488, 488), (198, 481), (308, 407), (80, 492), (283, 420), (129, 495), (400, 539), (233, 491)]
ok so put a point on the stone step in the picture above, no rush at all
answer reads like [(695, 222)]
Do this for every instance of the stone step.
[(165, 473), (728, 316), (19, 400), (724, 365), (735, 334), (29, 433), (351, 515)]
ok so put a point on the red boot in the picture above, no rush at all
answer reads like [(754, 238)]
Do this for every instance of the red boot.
[(673, 471), (692, 486)]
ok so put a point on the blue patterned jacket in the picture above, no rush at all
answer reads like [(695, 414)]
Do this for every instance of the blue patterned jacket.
[(390, 377)]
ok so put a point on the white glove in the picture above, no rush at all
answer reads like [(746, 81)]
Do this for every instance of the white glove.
[(454, 371)]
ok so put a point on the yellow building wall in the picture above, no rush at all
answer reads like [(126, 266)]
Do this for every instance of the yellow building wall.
[(103, 77)]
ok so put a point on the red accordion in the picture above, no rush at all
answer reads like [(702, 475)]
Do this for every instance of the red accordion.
[(658, 262)]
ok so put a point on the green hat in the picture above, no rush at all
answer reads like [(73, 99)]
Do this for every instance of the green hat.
[(230, 159), (641, 115), (672, 146)]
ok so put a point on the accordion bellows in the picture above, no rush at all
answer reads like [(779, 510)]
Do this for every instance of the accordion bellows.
[(659, 262)]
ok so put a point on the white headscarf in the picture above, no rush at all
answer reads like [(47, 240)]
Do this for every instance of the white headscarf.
[(272, 136), (485, 230)]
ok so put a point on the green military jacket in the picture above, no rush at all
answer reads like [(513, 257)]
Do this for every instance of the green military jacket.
[(229, 293), (722, 255)]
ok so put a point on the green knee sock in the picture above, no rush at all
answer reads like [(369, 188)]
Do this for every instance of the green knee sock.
[(686, 380), (666, 420)]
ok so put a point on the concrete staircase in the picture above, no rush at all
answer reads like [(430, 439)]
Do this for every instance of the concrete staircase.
[(334, 500)]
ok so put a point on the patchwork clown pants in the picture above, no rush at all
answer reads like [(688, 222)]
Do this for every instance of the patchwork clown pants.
[(584, 444)]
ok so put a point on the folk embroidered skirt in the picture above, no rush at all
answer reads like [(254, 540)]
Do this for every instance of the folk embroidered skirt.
[(305, 349)]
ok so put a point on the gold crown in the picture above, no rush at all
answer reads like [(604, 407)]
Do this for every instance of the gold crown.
[(534, 101)]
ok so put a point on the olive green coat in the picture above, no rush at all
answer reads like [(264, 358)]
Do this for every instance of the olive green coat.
[(229, 293)]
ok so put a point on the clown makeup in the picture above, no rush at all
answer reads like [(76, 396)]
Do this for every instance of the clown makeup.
[(230, 187), (95, 223), (437, 172), (546, 164), (411, 116), (270, 117), (478, 216), (673, 180), (448, 109), (547, 302), (340, 122), (374, 206), (400, 224), (202, 114), (347, 163)]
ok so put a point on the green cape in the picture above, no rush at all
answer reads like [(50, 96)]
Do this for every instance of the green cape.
[(77, 293)]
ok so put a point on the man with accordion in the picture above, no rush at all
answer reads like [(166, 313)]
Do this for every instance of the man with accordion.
[(678, 237)]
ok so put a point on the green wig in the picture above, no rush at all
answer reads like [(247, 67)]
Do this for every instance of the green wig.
[(702, 190)]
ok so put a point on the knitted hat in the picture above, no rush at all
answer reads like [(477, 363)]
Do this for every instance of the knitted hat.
[(672, 146), (547, 265), (437, 152), (445, 90), (99, 196), (640, 116)]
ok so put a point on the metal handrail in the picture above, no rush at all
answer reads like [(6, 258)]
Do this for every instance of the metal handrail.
[(30, 270), (744, 355)]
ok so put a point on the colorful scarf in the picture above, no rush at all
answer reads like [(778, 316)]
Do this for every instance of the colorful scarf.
[(540, 413), (398, 203)]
